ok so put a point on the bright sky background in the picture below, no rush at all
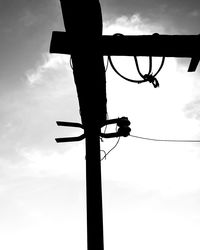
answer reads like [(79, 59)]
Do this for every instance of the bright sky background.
[(151, 190)]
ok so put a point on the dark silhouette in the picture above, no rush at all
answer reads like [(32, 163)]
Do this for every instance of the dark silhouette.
[(82, 18), (83, 23), (84, 41)]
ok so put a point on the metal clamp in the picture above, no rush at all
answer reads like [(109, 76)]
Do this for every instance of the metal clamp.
[(123, 130)]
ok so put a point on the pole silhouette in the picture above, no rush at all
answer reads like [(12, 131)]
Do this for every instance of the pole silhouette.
[(84, 41), (83, 21)]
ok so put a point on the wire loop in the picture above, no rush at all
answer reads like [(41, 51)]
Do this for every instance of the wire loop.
[(149, 77), (122, 76)]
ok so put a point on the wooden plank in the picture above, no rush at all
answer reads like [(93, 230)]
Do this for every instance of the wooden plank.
[(145, 45)]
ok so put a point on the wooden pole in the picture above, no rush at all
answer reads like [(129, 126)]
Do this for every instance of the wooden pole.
[(83, 40), (94, 190), (83, 21)]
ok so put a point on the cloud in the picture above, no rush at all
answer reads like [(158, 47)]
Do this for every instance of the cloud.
[(56, 164), (132, 25), (50, 62), (194, 13), (192, 109), (28, 18), (29, 113)]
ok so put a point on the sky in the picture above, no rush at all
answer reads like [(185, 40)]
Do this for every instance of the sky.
[(151, 190)]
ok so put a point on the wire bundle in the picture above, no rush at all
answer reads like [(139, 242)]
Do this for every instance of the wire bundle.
[(149, 77)]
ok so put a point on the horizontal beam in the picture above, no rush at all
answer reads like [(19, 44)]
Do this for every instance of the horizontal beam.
[(119, 45)]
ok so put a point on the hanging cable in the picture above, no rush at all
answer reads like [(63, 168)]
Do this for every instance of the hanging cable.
[(164, 140), (104, 154), (111, 149), (124, 77), (161, 66), (150, 65), (149, 77), (138, 68)]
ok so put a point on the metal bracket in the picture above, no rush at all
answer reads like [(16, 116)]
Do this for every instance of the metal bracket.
[(70, 139), (123, 130)]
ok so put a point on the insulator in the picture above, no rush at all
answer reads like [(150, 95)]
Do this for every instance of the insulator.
[(123, 122), (124, 131)]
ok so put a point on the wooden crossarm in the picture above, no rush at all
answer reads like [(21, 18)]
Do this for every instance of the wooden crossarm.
[(184, 46), (145, 45)]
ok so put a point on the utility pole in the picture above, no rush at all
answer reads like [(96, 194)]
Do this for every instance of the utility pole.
[(84, 41), (83, 21)]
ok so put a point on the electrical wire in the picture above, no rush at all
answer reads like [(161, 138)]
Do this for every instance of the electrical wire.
[(149, 77), (165, 140), (138, 68), (150, 65), (104, 154), (161, 66), (111, 149), (124, 77), (146, 78)]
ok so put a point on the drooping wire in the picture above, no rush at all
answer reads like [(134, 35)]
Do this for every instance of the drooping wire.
[(161, 66), (150, 65), (165, 140), (124, 77), (138, 68), (149, 77), (111, 149), (104, 154), (146, 78)]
